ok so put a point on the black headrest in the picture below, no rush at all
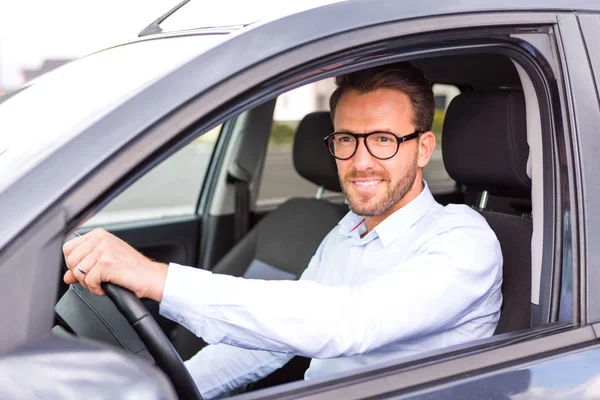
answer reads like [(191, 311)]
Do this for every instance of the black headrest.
[(311, 157), (484, 142)]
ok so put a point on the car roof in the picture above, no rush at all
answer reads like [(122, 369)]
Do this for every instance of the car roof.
[(373, 11)]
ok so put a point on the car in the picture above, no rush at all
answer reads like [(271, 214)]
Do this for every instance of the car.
[(181, 143)]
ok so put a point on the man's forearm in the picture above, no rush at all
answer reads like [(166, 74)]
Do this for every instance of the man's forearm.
[(313, 320)]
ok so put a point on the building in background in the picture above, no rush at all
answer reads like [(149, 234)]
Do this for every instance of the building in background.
[(47, 66), (292, 106), (27, 74)]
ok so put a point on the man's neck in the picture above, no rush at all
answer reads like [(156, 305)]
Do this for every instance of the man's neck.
[(412, 194)]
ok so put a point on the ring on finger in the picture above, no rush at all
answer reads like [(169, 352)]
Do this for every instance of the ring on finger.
[(80, 269)]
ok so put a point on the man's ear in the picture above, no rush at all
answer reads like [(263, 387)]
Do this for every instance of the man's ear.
[(426, 143)]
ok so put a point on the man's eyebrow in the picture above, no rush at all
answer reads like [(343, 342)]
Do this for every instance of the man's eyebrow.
[(373, 131)]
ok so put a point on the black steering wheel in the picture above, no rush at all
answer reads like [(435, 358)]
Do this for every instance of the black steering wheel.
[(165, 355)]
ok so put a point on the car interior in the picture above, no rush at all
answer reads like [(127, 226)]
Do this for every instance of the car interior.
[(485, 135)]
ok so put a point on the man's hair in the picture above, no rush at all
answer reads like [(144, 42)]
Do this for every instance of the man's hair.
[(400, 76)]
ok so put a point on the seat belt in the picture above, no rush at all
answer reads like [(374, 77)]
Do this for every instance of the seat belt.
[(241, 179)]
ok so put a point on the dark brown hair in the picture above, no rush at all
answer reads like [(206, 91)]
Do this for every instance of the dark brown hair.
[(401, 76)]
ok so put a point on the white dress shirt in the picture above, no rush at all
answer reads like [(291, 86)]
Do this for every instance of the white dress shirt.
[(426, 277)]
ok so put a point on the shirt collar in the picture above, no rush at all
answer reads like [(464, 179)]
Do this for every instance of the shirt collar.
[(394, 225), (352, 225)]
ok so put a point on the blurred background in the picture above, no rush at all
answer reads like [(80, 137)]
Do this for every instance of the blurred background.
[(37, 36)]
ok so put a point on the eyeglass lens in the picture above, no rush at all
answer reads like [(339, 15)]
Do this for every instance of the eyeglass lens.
[(380, 145)]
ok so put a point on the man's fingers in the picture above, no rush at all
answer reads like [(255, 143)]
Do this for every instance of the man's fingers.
[(79, 253), (70, 278), (93, 279), (69, 246), (87, 265), (100, 256)]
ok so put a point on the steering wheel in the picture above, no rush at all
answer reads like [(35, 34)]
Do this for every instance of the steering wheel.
[(165, 355)]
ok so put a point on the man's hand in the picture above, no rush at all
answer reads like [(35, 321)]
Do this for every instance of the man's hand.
[(104, 257)]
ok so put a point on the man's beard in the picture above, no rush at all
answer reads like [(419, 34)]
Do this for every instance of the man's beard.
[(390, 197)]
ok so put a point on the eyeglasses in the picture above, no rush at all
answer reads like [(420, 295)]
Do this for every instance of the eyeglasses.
[(381, 145)]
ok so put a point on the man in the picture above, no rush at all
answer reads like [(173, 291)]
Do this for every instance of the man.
[(399, 275)]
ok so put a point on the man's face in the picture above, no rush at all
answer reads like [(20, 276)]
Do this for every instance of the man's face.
[(376, 187)]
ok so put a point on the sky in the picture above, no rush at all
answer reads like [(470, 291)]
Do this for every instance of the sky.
[(34, 30)]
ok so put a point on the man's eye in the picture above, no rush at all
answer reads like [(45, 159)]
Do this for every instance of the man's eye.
[(345, 139), (384, 139)]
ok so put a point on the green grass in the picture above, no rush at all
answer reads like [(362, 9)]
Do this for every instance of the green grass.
[(281, 133), (438, 122)]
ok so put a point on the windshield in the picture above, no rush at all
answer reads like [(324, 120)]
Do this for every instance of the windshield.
[(53, 108)]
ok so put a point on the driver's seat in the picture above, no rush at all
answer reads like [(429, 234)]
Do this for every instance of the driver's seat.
[(485, 148)]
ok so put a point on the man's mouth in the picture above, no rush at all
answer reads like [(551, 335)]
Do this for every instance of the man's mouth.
[(367, 183), (366, 187)]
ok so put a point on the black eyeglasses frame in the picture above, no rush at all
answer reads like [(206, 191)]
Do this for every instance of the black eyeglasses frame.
[(401, 139)]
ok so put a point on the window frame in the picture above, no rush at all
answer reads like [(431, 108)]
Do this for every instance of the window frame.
[(577, 32)]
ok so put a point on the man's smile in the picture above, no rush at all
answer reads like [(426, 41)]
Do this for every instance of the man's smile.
[(366, 186), (367, 183)]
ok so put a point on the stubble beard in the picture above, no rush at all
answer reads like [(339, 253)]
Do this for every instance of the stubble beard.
[(388, 200)]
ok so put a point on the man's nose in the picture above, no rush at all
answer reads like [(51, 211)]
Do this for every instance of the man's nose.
[(362, 159)]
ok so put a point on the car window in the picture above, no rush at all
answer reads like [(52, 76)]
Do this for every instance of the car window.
[(435, 173), (171, 189), (280, 180)]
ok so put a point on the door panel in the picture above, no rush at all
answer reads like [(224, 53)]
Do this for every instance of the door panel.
[(166, 241)]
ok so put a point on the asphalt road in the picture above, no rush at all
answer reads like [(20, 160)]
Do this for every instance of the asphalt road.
[(174, 186)]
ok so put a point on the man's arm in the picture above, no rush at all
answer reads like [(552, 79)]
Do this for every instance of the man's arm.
[(446, 284), (452, 275), (216, 369)]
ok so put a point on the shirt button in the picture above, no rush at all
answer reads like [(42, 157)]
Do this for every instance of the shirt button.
[(179, 319)]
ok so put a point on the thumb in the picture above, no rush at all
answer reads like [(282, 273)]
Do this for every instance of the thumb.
[(69, 278)]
